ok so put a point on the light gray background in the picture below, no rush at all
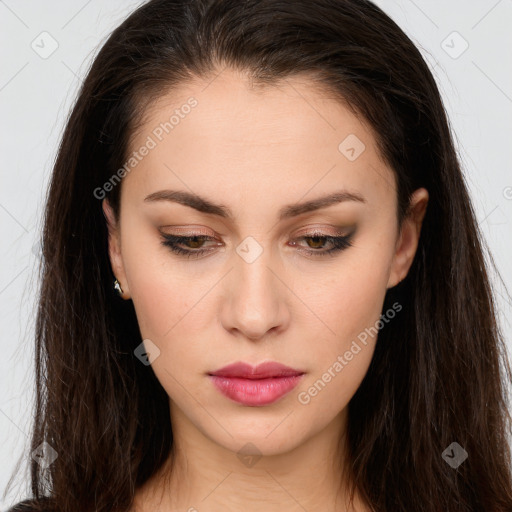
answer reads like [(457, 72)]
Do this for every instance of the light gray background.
[(36, 94)]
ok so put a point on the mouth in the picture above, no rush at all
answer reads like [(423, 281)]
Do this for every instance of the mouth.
[(255, 386)]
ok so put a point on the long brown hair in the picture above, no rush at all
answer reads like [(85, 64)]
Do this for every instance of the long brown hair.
[(439, 373)]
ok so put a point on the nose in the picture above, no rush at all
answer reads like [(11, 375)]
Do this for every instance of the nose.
[(256, 298)]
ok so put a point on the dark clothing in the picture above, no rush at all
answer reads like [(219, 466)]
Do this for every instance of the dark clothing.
[(29, 506)]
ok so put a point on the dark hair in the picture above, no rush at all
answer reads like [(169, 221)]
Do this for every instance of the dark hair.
[(439, 371)]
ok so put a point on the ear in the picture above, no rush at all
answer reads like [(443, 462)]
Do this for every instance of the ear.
[(407, 242), (114, 247)]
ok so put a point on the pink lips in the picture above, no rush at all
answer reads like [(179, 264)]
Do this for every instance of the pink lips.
[(255, 386)]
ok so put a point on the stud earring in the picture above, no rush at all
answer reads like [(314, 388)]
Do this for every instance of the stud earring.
[(117, 286)]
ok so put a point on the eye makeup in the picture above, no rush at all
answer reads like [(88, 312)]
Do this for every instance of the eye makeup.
[(192, 246)]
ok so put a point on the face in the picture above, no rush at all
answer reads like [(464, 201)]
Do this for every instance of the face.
[(268, 273)]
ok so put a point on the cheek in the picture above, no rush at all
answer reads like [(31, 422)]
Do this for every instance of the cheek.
[(164, 306), (173, 308), (160, 297), (325, 394), (340, 361), (350, 298), (349, 303)]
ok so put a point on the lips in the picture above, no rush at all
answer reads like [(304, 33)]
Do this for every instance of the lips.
[(255, 386), (262, 371)]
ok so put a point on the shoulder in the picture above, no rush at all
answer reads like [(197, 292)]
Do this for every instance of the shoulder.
[(30, 506)]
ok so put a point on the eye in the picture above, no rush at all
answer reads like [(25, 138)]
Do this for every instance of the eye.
[(319, 240), (196, 241), (195, 244)]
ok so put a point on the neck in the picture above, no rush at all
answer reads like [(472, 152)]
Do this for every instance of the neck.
[(201, 475)]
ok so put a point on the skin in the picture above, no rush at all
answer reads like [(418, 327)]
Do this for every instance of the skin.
[(255, 151)]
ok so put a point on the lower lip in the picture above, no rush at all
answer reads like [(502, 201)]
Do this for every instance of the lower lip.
[(255, 392)]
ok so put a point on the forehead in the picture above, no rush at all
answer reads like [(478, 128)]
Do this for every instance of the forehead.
[(223, 133)]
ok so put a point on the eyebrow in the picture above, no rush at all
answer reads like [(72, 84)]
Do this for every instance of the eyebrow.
[(292, 210)]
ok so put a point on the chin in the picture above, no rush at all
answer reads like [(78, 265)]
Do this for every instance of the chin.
[(263, 437)]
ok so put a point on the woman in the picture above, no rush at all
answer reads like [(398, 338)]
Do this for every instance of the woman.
[(263, 284)]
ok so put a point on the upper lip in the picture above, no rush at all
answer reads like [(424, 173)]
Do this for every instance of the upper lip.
[(261, 371)]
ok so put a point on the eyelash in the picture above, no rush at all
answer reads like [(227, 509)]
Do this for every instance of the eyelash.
[(171, 241)]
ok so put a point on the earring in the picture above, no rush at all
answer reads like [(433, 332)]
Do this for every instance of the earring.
[(117, 286)]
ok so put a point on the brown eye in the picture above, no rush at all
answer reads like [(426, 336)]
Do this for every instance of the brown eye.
[(195, 244), (316, 242)]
